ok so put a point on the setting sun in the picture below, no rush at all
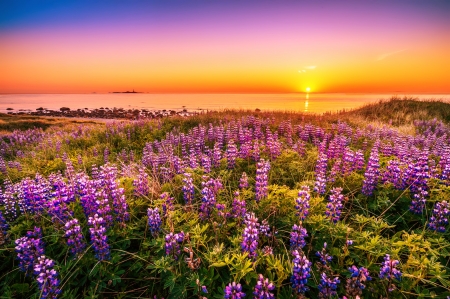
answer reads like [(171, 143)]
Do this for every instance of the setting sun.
[(308, 89)]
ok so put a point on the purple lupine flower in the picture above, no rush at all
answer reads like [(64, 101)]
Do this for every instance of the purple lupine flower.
[(216, 155), (233, 291), (208, 198), (301, 271), (106, 155), (439, 218), (250, 235), (3, 228), (336, 170), (9, 201), (325, 258), (419, 200), (188, 188), (206, 163), (192, 158), (243, 181), (321, 171), (104, 208), (328, 286), (88, 196), (256, 151), (58, 210), (263, 289), (359, 160), (349, 242), (204, 289), (302, 203), (47, 277), (221, 208), (264, 228), (231, 154), (348, 161), (355, 284), (298, 236), (32, 196), (393, 174), (334, 206), (28, 249), (74, 237), (120, 204), (238, 208), (389, 271), (372, 172), (167, 205), (99, 239), (154, 221), (141, 184), (262, 179), (172, 245)]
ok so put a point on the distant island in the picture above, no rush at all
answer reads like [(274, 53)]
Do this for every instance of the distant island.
[(126, 91)]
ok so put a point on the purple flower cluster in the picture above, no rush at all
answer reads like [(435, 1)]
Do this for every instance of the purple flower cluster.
[(3, 228), (372, 173), (389, 271), (302, 203), (154, 221), (188, 188), (439, 218), (74, 237), (298, 236), (47, 277), (233, 291), (325, 258), (263, 289), (141, 184), (243, 181), (419, 200), (300, 273), (328, 286), (355, 284), (28, 249), (167, 205), (99, 239), (172, 245), (264, 228), (321, 172), (262, 179), (231, 154), (250, 235), (238, 208), (334, 206)]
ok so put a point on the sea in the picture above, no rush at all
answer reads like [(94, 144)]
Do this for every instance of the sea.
[(318, 103)]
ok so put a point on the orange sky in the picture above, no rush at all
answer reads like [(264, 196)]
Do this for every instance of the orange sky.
[(214, 48)]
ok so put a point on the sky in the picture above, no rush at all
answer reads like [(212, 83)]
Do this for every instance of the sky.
[(231, 46)]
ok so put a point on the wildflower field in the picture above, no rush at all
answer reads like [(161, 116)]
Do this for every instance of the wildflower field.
[(227, 205)]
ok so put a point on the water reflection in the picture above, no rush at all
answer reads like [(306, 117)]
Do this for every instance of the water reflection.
[(306, 102)]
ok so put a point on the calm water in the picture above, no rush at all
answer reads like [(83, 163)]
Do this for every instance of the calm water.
[(316, 103)]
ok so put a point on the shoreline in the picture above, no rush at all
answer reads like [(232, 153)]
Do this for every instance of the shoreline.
[(101, 113)]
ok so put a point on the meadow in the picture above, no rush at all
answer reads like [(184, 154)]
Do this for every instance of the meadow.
[(228, 204)]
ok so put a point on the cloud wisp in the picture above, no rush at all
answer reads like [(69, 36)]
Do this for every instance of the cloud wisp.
[(309, 68), (385, 55)]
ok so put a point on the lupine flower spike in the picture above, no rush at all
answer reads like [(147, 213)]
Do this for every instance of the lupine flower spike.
[(233, 291), (263, 289), (390, 272)]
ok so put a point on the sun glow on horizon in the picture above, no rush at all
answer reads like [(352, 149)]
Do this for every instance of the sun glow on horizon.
[(308, 89)]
